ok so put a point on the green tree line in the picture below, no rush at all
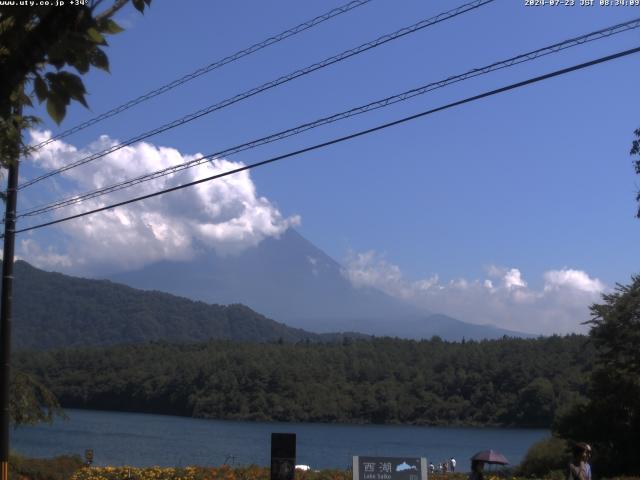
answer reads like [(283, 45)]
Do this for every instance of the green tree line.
[(507, 382)]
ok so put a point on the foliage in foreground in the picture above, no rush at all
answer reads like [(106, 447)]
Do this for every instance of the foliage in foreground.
[(635, 150), (42, 45), (30, 402), (71, 468), (58, 468), (262, 473), (610, 421), (197, 473), (221, 473), (548, 455)]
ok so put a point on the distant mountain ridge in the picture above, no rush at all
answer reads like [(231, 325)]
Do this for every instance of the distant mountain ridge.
[(291, 280), (53, 310)]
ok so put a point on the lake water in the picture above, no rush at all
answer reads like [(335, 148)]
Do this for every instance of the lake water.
[(144, 440)]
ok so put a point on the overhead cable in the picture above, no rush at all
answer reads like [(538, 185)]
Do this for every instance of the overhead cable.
[(342, 139), (206, 69), (266, 86), (525, 57)]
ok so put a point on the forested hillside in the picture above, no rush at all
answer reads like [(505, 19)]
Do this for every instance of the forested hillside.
[(508, 382), (53, 310)]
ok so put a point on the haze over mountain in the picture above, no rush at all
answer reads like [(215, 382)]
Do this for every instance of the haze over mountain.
[(292, 281)]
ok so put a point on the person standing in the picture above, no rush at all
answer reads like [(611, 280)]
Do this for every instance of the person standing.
[(477, 467), (453, 464), (587, 462), (578, 464)]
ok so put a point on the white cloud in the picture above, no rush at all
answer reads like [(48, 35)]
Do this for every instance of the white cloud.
[(513, 279), (226, 214), (572, 279), (33, 253), (510, 278), (504, 300), (369, 269)]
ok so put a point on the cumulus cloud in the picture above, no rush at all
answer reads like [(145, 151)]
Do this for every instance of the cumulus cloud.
[(35, 254), (369, 269), (226, 215), (572, 280), (503, 299)]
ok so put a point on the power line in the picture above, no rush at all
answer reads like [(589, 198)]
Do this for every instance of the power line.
[(206, 69), (344, 138), (266, 86), (525, 57)]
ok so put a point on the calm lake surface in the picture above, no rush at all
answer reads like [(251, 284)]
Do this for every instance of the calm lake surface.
[(144, 440)]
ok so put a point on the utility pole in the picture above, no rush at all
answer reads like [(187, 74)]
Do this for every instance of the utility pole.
[(5, 312)]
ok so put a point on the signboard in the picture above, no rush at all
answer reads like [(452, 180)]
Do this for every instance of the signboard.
[(389, 468), (283, 456)]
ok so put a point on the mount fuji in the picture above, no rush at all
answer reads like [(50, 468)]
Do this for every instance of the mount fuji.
[(290, 280)]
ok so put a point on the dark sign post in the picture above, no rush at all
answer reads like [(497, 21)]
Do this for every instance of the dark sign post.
[(389, 468), (283, 456)]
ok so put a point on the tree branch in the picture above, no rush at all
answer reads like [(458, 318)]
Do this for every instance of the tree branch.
[(95, 4), (109, 12)]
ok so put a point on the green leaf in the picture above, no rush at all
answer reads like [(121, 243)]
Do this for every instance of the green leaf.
[(56, 54), (111, 27), (71, 82), (56, 108), (70, 85), (139, 5), (82, 63), (99, 59), (80, 99), (96, 36), (7, 24), (40, 87)]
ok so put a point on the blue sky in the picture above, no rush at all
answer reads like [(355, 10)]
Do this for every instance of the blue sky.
[(536, 180)]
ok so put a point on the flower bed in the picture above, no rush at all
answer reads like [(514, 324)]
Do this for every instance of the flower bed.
[(197, 473)]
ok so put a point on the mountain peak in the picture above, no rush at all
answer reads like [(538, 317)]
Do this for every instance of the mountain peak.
[(293, 281)]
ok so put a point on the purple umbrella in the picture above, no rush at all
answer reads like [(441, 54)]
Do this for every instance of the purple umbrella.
[(490, 456)]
